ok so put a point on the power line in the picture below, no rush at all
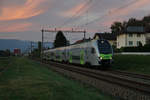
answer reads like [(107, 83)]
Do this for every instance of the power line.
[(109, 13), (78, 13), (54, 31)]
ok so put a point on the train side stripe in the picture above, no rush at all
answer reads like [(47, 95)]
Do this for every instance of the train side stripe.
[(82, 57), (70, 57)]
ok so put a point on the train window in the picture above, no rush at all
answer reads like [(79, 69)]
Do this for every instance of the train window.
[(93, 51), (104, 47)]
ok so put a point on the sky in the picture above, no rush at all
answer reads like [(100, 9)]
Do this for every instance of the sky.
[(23, 19)]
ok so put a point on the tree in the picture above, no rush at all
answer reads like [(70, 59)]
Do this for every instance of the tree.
[(132, 22), (140, 44), (60, 40), (35, 53), (124, 25), (146, 19), (39, 48), (7, 52), (117, 27), (135, 22)]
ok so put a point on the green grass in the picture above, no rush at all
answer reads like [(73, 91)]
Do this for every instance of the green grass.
[(132, 63), (28, 80), (4, 61)]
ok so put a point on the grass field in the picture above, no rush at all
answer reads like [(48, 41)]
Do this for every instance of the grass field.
[(132, 63), (4, 61), (27, 80)]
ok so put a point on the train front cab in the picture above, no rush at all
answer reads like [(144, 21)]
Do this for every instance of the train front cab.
[(105, 53)]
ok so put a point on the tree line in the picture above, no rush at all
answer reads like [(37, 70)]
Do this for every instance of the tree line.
[(116, 28), (119, 27), (5, 53)]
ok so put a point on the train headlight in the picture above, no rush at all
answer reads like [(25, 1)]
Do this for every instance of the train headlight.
[(101, 58)]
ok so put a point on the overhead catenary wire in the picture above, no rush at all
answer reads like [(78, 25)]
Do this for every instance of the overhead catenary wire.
[(109, 13), (77, 13)]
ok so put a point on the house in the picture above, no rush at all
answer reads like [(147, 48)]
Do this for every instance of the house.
[(81, 41), (17, 52), (147, 38), (132, 37), (108, 36)]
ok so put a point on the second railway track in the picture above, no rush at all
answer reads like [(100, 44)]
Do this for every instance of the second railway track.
[(117, 83), (134, 75)]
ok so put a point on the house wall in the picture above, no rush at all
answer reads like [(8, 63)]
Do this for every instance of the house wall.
[(112, 42), (97, 37), (147, 38), (121, 40), (124, 39), (135, 39)]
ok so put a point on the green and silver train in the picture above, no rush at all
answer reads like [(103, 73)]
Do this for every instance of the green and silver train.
[(93, 53)]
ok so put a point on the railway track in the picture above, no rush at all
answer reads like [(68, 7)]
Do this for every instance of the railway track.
[(125, 85), (141, 77), (144, 87)]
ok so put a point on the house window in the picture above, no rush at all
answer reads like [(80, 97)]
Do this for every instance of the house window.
[(138, 35), (130, 35), (130, 43)]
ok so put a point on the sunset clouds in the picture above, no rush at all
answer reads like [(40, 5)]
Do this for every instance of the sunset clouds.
[(23, 16), (129, 8), (14, 16), (78, 9), (15, 27), (27, 10), (117, 14)]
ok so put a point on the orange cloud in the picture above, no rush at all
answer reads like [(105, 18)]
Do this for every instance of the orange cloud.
[(130, 8), (115, 14), (78, 9), (9, 37), (17, 27), (29, 9)]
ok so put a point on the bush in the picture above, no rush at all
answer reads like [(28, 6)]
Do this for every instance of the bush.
[(5, 53), (145, 48)]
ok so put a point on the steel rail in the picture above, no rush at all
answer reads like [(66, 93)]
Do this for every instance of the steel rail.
[(138, 86), (134, 75)]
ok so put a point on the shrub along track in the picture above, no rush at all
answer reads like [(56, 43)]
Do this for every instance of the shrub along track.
[(125, 86)]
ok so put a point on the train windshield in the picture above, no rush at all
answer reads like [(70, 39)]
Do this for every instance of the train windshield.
[(104, 47)]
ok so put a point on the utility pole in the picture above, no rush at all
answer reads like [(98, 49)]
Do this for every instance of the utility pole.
[(42, 43), (31, 47), (56, 30), (84, 34)]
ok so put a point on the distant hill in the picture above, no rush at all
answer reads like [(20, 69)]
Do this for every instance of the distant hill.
[(23, 45)]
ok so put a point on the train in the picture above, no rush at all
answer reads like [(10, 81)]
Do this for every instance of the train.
[(90, 53)]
